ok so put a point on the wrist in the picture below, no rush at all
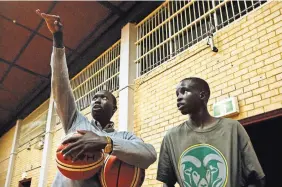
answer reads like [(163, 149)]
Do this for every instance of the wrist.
[(109, 145), (58, 39)]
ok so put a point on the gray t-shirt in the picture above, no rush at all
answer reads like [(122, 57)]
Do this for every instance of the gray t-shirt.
[(219, 156)]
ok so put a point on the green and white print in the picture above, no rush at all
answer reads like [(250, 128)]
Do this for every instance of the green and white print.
[(203, 165)]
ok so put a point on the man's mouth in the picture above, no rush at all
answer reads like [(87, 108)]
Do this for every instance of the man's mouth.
[(180, 106), (97, 107)]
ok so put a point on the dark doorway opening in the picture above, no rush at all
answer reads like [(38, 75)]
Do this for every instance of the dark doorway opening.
[(266, 137), (25, 183)]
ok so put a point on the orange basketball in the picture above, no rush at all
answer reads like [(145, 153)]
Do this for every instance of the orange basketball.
[(84, 168), (120, 174)]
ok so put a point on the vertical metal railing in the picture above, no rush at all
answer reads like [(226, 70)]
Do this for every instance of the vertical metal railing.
[(101, 74), (177, 25)]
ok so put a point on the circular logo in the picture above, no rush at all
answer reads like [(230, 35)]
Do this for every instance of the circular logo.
[(203, 165)]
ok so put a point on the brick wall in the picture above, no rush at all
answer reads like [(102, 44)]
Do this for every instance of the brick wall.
[(5, 149), (247, 66)]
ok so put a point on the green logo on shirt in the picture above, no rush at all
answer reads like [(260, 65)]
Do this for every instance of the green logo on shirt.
[(203, 165)]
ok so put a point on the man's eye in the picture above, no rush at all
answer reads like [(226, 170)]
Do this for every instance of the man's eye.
[(104, 98)]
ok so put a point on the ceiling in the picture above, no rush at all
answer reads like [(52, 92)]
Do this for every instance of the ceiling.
[(25, 46)]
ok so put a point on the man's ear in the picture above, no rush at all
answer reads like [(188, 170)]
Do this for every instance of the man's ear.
[(114, 109), (202, 95)]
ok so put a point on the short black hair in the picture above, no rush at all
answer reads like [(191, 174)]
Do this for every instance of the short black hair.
[(201, 85), (113, 97)]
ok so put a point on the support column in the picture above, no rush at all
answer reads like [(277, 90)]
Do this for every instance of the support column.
[(127, 76), (47, 144), (13, 155)]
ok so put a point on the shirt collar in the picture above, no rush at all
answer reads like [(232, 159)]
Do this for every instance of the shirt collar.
[(108, 128)]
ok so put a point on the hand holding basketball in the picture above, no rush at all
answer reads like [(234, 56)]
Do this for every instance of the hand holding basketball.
[(88, 141), (87, 165), (52, 21)]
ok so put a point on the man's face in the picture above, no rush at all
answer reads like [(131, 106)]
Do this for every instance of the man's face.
[(188, 97), (102, 105)]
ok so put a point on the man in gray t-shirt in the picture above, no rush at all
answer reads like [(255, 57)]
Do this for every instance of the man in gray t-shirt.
[(206, 151)]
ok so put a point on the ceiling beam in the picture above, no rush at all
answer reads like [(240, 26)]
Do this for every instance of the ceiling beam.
[(112, 8), (24, 69)]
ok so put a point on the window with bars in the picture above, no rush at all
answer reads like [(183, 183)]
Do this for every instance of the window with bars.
[(101, 74), (177, 25)]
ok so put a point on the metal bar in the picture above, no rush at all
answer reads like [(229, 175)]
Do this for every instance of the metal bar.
[(169, 31), (97, 59), (188, 26), (196, 22), (239, 8), (152, 13), (232, 7), (97, 86), (205, 18), (96, 73), (170, 17), (177, 23), (201, 20), (222, 21), (227, 16)]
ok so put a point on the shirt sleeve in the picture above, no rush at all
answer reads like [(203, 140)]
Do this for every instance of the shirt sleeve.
[(250, 162), (61, 89), (165, 172), (132, 150)]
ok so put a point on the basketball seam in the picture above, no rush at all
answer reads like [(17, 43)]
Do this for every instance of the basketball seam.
[(78, 169), (102, 173), (84, 166), (118, 172), (136, 174)]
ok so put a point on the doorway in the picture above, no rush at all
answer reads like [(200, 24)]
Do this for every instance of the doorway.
[(266, 137), (25, 183)]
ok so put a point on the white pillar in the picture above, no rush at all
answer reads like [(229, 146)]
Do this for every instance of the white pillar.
[(126, 77), (13, 155), (47, 145)]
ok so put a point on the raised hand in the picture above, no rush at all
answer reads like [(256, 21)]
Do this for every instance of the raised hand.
[(52, 21)]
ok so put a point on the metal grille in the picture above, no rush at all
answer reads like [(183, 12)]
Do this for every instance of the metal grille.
[(177, 25), (101, 74)]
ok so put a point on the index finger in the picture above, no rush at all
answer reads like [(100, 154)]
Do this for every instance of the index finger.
[(47, 16), (71, 139)]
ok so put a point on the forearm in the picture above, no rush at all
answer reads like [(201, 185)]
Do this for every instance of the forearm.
[(134, 152), (60, 85)]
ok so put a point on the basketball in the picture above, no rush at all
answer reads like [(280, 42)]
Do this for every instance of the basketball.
[(120, 174), (82, 169)]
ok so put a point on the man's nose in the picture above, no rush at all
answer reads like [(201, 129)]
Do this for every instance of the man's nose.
[(98, 100), (179, 99)]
